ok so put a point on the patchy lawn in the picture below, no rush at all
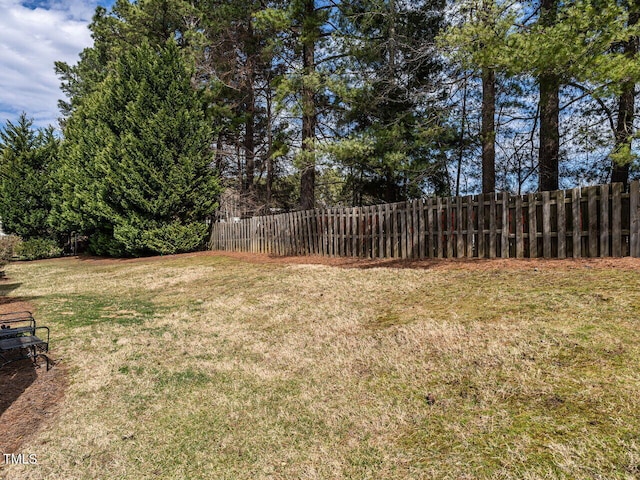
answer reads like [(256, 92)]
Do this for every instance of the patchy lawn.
[(209, 366)]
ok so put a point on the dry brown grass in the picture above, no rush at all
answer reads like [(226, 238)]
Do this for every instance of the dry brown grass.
[(208, 367)]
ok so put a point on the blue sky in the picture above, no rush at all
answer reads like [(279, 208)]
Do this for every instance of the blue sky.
[(33, 35)]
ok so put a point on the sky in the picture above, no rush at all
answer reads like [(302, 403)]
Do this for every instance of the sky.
[(33, 35)]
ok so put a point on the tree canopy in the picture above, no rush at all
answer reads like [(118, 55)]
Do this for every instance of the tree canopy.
[(27, 156), (324, 102)]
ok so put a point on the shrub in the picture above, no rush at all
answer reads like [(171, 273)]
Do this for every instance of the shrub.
[(37, 248), (9, 244)]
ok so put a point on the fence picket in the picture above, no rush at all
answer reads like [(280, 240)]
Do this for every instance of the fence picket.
[(387, 228), (593, 220), (481, 232), (546, 224), (377, 215), (403, 240), (460, 252), (492, 225), (616, 220), (439, 228), (533, 225), (430, 228), (504, 237), (519, 228), (470, 229), (370, 233), (634, 220), (604, 226), (576, 213), (449, 227), (561, 224), (415, 245)]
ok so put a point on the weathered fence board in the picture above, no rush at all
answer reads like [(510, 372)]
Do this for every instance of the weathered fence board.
[(481, 220), (616, 220), (561, 228), (604, 226), (599, 221), (577, 223), (634, 219)]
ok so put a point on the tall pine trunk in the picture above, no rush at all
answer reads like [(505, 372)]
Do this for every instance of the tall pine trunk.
[(549, 132), (269, 186), (549, 106), (309, 117), (626, 107), (488, 134), (249, 105), (249, 140)]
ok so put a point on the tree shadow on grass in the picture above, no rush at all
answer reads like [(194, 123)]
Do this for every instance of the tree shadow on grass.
[(15, 378), (19, 301), (6, 288), (29, 396)]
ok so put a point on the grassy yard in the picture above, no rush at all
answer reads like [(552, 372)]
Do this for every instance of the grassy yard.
[(212, 368)]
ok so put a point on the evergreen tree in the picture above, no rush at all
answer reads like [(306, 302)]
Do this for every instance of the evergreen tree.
[(395, 127), (624, 131), (303, 52), (566, 49), (477, 43), (116, 31), (237, 66), (26, 158), (135, 169)]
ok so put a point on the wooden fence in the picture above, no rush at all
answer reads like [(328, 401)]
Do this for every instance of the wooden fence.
[(598, 221)]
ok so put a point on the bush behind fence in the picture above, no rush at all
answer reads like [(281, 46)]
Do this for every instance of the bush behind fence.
[(597, 221)]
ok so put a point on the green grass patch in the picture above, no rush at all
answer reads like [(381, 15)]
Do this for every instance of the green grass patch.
[(78, 310)]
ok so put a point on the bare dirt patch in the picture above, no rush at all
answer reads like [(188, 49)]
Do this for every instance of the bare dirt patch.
[(28, 395)]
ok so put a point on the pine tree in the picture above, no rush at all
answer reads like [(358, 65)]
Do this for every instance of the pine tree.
[(26, 159), (135, 172), (395, 129), (624, 130), (302, 51), (116, 30), (478, 43)]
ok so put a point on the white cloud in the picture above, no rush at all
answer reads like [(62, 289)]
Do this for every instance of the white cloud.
[(33, 35)]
